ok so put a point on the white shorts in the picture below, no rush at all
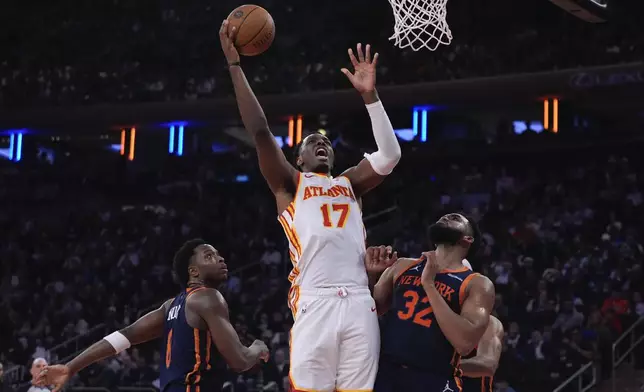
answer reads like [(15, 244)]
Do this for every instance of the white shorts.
[(335, 341)]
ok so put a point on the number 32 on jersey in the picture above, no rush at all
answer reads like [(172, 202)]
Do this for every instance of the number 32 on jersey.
[(419, 309), (335, 215)]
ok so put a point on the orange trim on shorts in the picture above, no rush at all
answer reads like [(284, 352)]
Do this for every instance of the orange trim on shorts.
[(410, 266), (461, 291), (293, 299), (459, 383), (293, 275), (195, 369)]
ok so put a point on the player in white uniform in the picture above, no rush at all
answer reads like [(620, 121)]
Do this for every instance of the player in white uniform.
[(335, 340)]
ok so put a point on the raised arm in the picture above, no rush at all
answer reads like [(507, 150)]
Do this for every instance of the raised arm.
[(463, 330), (211, 307), (488, 352), (278, 172), (372, 170), (148, 327)]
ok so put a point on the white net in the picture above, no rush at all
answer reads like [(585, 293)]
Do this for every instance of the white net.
[(420, 24)]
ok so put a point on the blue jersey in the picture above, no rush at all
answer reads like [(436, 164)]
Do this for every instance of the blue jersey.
[(411, 335), (192, 362)]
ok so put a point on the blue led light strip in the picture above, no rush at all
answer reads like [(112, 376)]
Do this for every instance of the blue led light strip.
[(180, 141), (171, 140), (19, 148)]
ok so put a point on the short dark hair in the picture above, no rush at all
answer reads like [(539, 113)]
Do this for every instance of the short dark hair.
[(476, 235), (181, 261), (297, 150)]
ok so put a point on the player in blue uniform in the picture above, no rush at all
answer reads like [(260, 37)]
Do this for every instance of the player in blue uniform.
[(434, 309), (479, 367), (194, 326)]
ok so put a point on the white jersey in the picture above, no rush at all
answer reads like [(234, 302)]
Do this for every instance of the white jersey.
[(325, 232)]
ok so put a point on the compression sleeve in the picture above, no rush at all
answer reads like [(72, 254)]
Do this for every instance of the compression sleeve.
[(386, 158)]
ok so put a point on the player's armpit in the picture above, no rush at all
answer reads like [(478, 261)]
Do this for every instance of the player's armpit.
[(464, 330), (211, 307), (278, 172), (488, 352), (371, 171), (363, 178), (148, 327), (384, 289)]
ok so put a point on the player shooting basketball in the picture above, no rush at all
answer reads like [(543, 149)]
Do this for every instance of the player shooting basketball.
[(335, 338)]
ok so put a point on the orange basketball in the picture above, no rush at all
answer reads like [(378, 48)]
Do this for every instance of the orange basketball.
[(255, 29)]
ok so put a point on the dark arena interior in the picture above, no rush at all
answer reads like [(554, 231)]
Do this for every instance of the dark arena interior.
[(120, 139)]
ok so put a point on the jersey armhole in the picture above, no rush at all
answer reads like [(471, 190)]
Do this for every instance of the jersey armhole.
[(463, 290), (410, 266), (194, 291), (353, 192)]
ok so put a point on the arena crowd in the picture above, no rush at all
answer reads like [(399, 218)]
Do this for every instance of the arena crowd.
[(563, 246), (123, 52)]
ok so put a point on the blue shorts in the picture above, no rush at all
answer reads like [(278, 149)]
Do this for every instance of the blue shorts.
[(201, 387), (393, 377)]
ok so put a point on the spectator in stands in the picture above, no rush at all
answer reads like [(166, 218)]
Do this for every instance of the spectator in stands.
[(569, 317), (36, 366), (4, 387)]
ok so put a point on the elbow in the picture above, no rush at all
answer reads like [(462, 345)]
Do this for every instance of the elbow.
[(238, 366), (396, 154), (465, 348), (490, 367)]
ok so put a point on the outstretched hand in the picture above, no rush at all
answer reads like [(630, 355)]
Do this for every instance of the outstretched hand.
[(363, 77), (379, 258), (54, 375), (227, 38), (431, 268)]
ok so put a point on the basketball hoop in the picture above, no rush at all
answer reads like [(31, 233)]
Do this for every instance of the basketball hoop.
[(420, 24)]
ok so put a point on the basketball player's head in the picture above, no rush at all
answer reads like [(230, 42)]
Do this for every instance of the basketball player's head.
[(200, 263), (36, 366), (315, 154), (457, 232)]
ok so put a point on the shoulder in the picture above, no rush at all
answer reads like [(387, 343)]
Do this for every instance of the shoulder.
[(478, 286), (205, 299), (166, 305), (482, 284), (402, 265)]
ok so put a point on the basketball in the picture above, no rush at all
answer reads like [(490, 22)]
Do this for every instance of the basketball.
[(255, 29)]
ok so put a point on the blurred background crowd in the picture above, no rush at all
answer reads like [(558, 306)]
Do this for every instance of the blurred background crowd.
[(120, 51), (563, 244)]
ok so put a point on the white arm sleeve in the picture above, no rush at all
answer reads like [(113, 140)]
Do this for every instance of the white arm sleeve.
[(386, 158), (118, 341)]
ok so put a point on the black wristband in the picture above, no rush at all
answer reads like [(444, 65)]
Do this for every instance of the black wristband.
[(234, 64)]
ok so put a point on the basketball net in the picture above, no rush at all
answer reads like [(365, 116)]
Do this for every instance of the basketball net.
[(420, 24)]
